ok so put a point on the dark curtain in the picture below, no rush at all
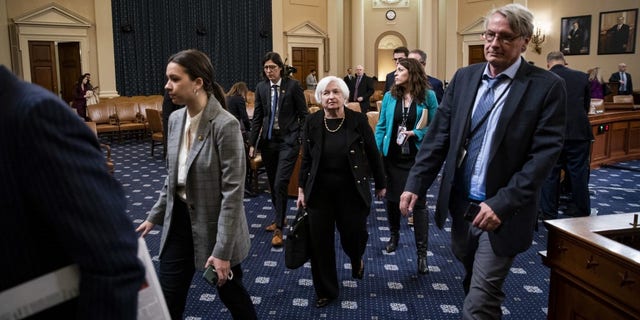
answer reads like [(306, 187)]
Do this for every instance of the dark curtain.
[(234, 33)]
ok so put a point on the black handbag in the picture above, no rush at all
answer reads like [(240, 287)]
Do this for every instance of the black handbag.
[(297, 249)]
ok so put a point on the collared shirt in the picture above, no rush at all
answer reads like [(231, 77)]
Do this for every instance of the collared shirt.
[(477, 190), (191, 123), (276, 125)]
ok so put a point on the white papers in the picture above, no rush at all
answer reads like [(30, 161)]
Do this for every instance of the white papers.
[(151, 304)]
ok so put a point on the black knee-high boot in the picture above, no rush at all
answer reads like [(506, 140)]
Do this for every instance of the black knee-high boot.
[(421, 226), (393, 216)]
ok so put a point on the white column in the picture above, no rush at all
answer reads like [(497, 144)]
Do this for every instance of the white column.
[(357, 35), (106, 54), (428, 33), (277, 28), (5, 52), (448, 46), (335, 23)]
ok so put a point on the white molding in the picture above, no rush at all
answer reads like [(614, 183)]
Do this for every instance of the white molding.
[(51, 23), (308, 35)]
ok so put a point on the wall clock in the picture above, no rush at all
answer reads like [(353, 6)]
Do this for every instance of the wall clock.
[(391, 15)]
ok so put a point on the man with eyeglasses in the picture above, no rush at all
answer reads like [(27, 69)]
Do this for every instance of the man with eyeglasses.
[(279, 113), (398, 53), (436, 84), (498, 132), (623, 78)]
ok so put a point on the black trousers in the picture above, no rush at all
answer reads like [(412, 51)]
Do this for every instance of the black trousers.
[(574, 158), (177, 270), (330, 208), (279, 160)]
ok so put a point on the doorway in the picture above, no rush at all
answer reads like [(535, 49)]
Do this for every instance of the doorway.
[(476, 54), (305, 60), (56, 75)]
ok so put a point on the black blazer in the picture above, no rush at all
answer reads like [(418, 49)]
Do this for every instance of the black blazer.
[(365, 90), (389, 81), (578, 126), (526, 145), (364, 157), (292, 106), (238, 108)]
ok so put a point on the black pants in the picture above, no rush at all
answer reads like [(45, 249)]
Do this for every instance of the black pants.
[(420, 223), (279, 160), (177, 270)]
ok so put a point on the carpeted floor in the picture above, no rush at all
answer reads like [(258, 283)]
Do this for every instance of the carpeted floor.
[(391, 288)]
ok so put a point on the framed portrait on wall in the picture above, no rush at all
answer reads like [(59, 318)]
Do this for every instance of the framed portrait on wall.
[(575, 35), (617, 33)]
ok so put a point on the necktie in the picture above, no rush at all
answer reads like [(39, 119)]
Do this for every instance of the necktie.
[(274, 104), (623, 86), (473, 148), (355, 91)]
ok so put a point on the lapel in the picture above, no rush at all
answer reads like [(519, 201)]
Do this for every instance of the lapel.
[(212, 108), (467, 100)]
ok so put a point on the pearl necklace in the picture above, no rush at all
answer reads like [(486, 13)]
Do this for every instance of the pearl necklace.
[(332, 131)]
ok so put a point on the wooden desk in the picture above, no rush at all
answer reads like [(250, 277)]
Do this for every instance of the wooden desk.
[(616, 137), (592, 275)]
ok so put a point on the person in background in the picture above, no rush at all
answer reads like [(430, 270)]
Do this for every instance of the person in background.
[(596, 84), (574, 158), (624, 78), (498, 132), (82, 91), (311, 80), (401, 110), (61, 207), (334, 187), (398, 54), (278, 116), (436, 84), (361, 89), (236, 100), (201, 205), (349, 77)]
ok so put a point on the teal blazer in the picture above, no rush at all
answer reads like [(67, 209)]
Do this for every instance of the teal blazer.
[(384, 128)]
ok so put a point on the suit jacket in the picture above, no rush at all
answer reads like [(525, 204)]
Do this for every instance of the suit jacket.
[(618, 38), (384, 128), (365, 90), (292, 106), (238, 108), (390, 79), (615, 77), (437, 87), (348, 80), (216, 169), (578, 126), (60, 206), (525, 147), (364, 158)]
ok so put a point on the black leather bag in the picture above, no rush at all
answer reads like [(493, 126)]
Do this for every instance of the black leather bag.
[(297, 248)]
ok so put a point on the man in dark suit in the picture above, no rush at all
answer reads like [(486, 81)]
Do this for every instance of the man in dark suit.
[(361, 89), (398, 53), (349, 77), (618, 36), (623, 78), (574, 157), (498, 133), (61, 208), (575, 38), (436, 84), (280, 111)]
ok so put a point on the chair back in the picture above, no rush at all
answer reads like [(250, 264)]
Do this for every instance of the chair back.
[(373, 116), (623, 99), (155, 121), (355, 106)]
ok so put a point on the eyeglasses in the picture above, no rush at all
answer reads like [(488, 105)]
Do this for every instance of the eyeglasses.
[(504, 39), (270, 67)]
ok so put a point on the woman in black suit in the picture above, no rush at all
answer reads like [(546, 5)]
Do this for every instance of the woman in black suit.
[(339, 156), (237, 105)]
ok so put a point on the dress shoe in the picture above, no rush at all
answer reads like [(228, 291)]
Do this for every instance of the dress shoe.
[(423, 268), (271, 228), (323, 302), (277, 241), (358, 273)]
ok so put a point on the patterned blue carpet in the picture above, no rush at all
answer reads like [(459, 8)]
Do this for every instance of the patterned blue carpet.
[(391, 288)]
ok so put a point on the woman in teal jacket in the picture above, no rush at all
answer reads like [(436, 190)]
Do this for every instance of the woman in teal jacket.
[(399, 133)]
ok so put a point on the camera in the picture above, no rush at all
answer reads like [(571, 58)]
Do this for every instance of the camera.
[(288, 70)]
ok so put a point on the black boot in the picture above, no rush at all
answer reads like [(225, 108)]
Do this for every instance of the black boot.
[(392, 245), (423, 267)]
